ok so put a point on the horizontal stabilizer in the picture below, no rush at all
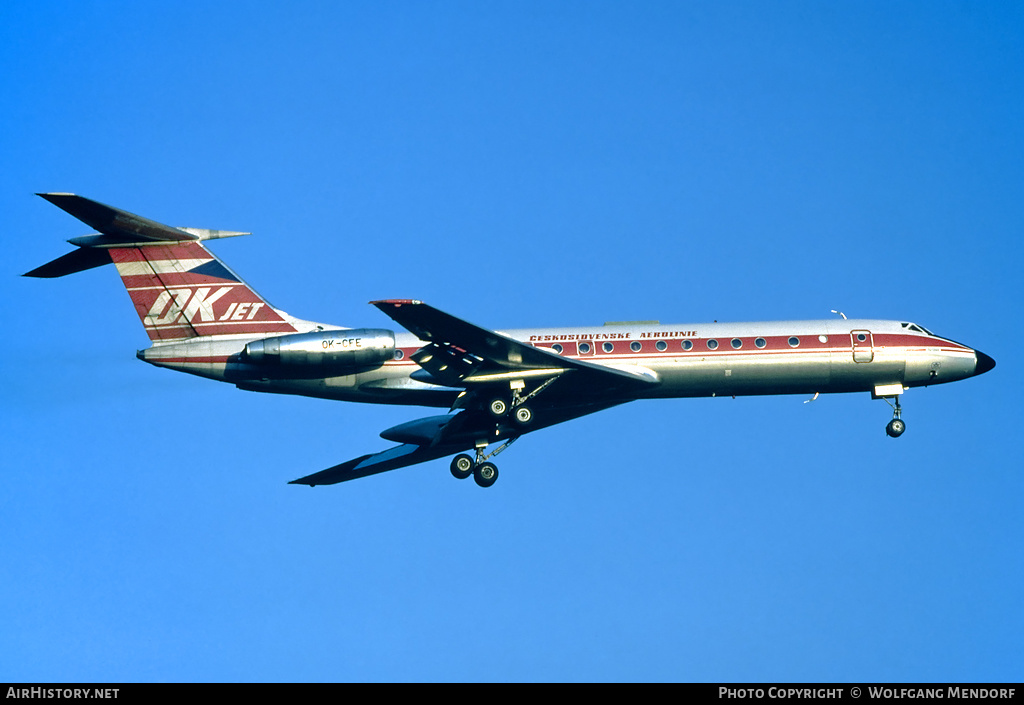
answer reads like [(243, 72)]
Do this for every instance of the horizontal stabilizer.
[(76, 261), (208, 234), (114, 222)]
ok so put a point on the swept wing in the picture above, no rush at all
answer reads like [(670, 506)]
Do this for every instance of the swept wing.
[(489, 366)]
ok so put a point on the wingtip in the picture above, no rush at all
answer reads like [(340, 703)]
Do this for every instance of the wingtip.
[(395, 303), (55, 196)]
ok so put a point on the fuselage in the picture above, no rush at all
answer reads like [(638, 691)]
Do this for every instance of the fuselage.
[(686, 360)]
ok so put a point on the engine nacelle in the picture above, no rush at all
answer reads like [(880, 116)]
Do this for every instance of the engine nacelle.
[(323, 351)]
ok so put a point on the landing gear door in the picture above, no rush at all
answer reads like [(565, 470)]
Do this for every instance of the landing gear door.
[(863, 351)]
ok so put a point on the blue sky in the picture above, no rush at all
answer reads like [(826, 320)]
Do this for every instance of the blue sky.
[(517, 164)]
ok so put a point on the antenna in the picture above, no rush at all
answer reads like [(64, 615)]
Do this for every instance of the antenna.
[(840, 313)]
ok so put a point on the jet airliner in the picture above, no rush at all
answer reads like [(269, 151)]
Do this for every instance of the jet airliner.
[(495, 386)]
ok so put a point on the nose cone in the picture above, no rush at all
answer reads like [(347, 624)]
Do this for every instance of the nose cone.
[(983, 363)]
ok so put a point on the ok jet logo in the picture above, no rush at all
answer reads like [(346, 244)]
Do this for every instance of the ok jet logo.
[(177, 305)]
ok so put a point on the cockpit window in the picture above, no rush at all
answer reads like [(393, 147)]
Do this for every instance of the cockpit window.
[(916, 328)]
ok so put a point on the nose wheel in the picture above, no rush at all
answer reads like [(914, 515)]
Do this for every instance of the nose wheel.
[(896, 427)]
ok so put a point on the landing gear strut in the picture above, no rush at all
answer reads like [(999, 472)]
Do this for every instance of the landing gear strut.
[(896, 427), (484, 473)]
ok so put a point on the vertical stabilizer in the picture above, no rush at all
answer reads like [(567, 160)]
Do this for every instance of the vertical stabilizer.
[(179, 288), (183, 291)]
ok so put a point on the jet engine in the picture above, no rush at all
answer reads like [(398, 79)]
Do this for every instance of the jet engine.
[(337, 351)]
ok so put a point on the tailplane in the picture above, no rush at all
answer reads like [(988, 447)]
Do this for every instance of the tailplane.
[(179, 288)]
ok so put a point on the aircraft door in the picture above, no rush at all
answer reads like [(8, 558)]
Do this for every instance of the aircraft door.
[(863, 351)]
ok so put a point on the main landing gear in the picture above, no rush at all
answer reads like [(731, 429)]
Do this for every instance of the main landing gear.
[(484, 473), (499, 409), (514, 406), (896, 427), (503, 407)]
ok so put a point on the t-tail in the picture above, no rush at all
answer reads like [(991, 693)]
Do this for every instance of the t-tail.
[(179, 288)]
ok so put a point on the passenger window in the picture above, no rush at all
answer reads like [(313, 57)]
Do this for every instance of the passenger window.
[(634, 346), (794, 341), (607, 347), (661, 345), (760, 342), (736, 343), (712, 344)]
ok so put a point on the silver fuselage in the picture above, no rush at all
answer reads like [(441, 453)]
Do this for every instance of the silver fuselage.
[(203, 319), (687, 360)]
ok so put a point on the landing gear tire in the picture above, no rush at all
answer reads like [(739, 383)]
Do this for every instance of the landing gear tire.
[(895, 428), (498, 407), (485, 474), (523, 415), (462, 466)]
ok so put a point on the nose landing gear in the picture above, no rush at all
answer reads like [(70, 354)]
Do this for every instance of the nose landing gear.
[(896, 427)]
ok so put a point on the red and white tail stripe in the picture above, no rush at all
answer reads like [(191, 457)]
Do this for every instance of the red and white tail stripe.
[(182, 290)]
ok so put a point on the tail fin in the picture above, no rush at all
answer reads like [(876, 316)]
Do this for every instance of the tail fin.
[(179, 288)]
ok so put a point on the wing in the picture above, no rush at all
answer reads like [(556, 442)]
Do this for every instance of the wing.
[(487, 365), (391, 459), (463, 354), (439, 436)]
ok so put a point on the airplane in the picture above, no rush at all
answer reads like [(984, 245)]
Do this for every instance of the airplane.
[(496, 386)]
